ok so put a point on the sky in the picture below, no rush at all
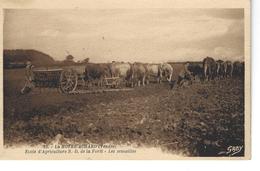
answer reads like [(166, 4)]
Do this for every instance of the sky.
[(145, 35)]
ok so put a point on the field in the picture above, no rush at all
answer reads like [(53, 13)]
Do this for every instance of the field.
[(201, 119)]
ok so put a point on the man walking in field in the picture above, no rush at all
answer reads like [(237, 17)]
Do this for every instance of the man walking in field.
[(28, 78)]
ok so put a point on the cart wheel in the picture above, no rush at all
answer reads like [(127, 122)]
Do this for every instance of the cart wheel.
[(68, 81)]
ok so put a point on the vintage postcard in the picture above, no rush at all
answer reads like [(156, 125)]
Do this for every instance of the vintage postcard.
[(125, 80)]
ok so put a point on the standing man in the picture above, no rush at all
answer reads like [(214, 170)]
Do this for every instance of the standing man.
[(28, 78)]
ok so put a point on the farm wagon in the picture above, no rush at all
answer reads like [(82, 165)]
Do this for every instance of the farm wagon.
[(68, 79)]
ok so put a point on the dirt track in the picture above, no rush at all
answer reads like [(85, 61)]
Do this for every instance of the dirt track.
[(201, 119)]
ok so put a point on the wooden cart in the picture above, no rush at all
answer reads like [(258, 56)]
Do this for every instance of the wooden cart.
[(67, 79)]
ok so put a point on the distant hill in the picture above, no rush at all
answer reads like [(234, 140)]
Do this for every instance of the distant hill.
[(18, 57)]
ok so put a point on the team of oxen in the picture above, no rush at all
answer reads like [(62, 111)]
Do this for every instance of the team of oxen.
[(136, 74), (222, 69)]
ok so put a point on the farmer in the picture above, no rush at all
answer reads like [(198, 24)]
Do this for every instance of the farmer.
[(184, 75), (28, 78)]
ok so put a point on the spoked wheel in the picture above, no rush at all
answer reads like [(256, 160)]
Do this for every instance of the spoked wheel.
[(68, 81)]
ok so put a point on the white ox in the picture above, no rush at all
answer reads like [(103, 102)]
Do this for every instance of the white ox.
[(166, 71)]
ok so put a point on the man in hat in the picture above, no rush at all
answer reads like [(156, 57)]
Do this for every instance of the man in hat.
[(184, 76), (28, 78)]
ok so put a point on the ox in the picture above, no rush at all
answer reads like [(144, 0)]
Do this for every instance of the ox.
[(97, 72), (166, 70), (220, 69), (122, 70), (209, 68), (228, 69), (196, 70), (238, 69), (153, 71), (139, 72)]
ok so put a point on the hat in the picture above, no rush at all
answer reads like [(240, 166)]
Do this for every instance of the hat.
[(28, 62)]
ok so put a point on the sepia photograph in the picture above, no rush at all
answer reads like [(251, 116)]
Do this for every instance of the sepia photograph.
[(107, 83)]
